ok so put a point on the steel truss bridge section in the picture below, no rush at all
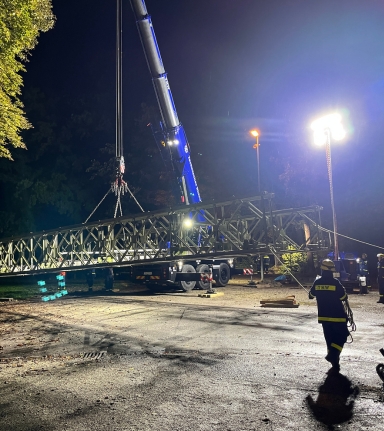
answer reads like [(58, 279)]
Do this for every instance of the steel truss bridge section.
[(219, 230)]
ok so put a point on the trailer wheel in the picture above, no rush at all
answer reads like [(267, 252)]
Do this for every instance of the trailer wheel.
[(187, 285), (223, 276), (202, 268)]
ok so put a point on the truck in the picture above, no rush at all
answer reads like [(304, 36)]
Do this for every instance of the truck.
[(348, 271), (173, 144)]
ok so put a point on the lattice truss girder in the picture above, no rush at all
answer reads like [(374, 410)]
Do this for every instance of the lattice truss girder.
[(245, 226)]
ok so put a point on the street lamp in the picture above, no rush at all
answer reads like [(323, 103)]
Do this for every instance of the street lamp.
[(324, 129), (255, 134), (256, 146)]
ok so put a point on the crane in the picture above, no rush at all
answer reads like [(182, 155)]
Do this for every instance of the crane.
[(173, 139)]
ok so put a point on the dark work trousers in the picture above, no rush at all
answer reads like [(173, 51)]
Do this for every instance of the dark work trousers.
[(381, 289), (335, 334)]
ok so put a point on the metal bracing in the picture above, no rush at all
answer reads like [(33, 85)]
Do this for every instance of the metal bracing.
[(234, 228)]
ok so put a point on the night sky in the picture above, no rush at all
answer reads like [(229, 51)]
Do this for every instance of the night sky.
[(234, 65)]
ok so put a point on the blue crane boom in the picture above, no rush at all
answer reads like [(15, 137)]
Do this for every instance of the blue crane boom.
[(174, 138)]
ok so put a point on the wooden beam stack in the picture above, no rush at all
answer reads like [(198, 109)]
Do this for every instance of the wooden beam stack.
[(287, 302)]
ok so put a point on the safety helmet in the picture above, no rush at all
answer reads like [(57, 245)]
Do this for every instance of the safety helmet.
[(328, 265), (380, 255)]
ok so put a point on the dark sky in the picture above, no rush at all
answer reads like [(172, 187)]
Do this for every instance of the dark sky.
[(237, 64)]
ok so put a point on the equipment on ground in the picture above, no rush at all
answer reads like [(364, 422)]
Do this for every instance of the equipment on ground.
[(347, 270), (286, 302)]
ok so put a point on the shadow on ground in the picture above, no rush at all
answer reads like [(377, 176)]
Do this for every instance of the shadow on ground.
[(335, 401)]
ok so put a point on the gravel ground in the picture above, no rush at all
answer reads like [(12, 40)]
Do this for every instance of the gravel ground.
[(133, 360)]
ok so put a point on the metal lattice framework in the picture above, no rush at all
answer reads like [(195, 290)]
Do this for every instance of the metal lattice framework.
[(228, 229)]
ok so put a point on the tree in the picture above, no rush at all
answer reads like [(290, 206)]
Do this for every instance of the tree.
[(48, 186), (21, 22), (294, 261)]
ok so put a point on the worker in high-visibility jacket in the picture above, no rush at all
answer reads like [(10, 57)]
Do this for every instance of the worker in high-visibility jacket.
[(330, 294), (380, 277)]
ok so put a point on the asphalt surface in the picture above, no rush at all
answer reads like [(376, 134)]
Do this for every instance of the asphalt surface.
[(133, 360)]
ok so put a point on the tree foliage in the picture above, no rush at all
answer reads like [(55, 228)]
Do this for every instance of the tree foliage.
[(294, 261), (21, 22), (48, 186)]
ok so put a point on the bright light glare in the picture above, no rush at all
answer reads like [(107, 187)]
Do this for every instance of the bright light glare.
[(326, 121), (187, 223), (173, 142), (331, 123), (254, 133), (338, 132), (320, 137)]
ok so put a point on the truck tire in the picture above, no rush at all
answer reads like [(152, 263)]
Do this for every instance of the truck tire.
[(202, 268), (186, 286), (223, 275)]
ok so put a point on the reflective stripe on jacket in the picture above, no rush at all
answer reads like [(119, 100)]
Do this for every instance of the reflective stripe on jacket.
[(329, 293)]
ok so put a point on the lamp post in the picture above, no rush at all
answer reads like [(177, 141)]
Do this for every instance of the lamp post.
[(325, 129), (255, 134), (256, 146)]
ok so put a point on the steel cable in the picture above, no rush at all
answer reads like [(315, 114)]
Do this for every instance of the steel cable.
[(97, 206), (353, 239), (288, 270)]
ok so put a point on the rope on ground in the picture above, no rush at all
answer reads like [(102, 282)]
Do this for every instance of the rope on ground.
[(288, 270)]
